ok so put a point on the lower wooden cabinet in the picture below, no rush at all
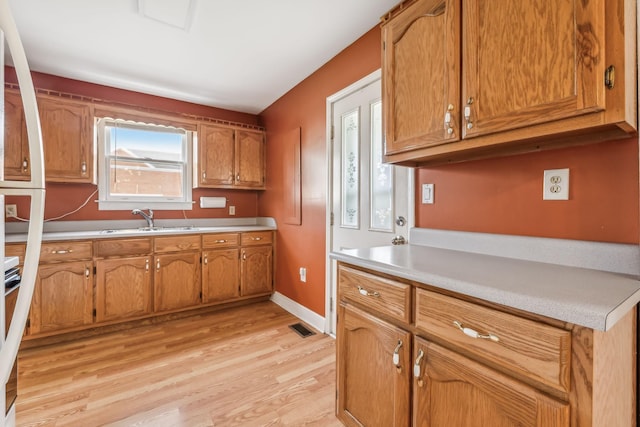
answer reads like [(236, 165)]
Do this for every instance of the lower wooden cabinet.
[(373, 370), (63, 297), (220, 274), (123, 288), (256, 270), (457, 361), (452, 390), (176, 281)]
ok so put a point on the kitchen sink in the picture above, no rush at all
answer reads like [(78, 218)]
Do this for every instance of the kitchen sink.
[(149, 229)]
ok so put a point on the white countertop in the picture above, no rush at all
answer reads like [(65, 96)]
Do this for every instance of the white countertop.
[(10, 262), (78, 230), (592, 298)]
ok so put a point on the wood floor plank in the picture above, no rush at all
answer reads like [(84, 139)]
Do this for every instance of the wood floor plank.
[(238, 367)]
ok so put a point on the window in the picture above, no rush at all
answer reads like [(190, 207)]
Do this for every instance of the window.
[(143, 166)]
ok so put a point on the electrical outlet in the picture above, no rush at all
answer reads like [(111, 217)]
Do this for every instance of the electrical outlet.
[(232, 210), (10, 211), (303, 274), (427, 194), (556, 184)]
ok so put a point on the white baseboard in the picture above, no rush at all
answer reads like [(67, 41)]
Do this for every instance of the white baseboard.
[(310, 317)]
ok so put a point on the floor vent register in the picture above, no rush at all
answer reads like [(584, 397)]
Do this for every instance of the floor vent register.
[(302, 330)]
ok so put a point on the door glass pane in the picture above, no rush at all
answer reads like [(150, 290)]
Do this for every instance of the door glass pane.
[(350, 170), (381, 177)]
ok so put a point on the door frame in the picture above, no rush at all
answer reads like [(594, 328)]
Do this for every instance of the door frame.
[(331, 100)]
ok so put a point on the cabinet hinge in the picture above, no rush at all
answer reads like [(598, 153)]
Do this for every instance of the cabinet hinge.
[(200, 296), (95, 270), (200, 260), (610, 77), (94, 313)]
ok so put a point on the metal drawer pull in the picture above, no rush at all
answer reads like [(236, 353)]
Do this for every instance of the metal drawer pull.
[(366, 293), (62, 251), (396, 354), (475, 334), (256, 238), (416, 365), (220, 241)]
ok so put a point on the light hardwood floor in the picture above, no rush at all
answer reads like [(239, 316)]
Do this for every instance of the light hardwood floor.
[(238, 367)]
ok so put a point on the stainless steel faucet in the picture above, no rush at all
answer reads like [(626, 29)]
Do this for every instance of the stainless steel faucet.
[(148, 217)]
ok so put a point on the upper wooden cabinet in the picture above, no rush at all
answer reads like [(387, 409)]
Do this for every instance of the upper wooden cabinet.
[(67, 134), (16, 146), (230, 158), (479, 79)]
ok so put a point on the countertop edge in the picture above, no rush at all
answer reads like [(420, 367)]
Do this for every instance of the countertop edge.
[(590, 315)]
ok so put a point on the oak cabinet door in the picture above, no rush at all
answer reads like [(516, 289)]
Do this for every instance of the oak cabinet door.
[(531, 62), (250, 159), (373, 385), (256, 270), (16, 144), (177, 281), (220, 275), (216, 155), (451, 390), (63, 297), (67, 135), (123, 288), (421, 80)]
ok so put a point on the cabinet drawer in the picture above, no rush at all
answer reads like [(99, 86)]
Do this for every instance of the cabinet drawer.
[(177, 243), (257, 238), (65, 251), (122, 247), (221, 240), (382, 295), (526, 347)]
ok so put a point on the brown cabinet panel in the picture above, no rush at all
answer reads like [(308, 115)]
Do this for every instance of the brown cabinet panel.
[(123, 288), (67, 135), (16, 143), (256, 270), (220, 275), (63, 297), (216, 155), (122, 247), (421, 80), (384, 296), (250, 159), (220, 240), (372, 389), (451, 390), (177, 243), (529, 348), (176, 281)]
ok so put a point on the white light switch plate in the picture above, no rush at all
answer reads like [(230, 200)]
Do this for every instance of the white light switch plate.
[(427, 194)]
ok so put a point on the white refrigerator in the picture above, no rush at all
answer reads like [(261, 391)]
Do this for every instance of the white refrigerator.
[(11, 46)]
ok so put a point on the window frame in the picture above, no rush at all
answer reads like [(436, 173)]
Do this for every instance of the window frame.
[(107, 201)]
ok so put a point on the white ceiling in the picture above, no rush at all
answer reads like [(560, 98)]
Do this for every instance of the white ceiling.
[(237, 54)]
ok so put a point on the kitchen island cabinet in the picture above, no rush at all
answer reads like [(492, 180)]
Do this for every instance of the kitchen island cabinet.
[(476, 362), (464, 80)]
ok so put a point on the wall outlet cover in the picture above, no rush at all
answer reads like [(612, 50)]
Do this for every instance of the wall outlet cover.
[(556, 184)]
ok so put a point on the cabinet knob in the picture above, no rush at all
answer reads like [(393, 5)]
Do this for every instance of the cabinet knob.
[(83, 167), (86, 272), (238, 177), (206, 260), (25, 164)]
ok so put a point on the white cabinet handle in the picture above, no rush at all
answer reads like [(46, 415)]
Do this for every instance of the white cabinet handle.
[(146, 265), (367, 293), (157, 265), (220, 241), (256, 238), (448, 122), (475, 334), (62, 251), (25, 164), (396, 354), (467, 113), (86, 272), (206, 260), (83, 168), (416, 365)]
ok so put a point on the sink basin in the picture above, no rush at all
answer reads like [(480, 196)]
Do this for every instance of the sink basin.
[(149, 229)]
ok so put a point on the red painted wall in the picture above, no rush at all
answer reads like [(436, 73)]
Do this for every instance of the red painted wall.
[(305, 106), (62, 198), (504, 195)]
